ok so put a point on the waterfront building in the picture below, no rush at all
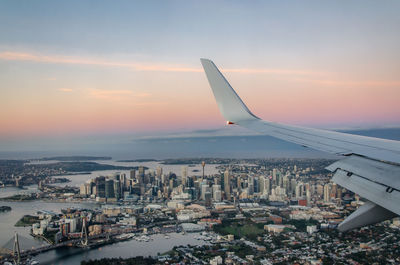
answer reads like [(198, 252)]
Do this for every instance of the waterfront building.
[(101, 187), (109, 188)]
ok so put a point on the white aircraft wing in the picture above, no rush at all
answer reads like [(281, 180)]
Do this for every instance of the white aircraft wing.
[(370, 166)]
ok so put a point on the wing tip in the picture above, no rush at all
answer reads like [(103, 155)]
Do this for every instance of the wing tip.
[(206, 61)]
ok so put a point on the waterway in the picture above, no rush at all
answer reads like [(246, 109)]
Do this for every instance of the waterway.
[(19, 209), (125, 249), (196, 169), (158, 245)]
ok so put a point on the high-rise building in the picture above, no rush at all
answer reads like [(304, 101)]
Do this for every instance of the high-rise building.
[(109, 188), (159, 171), (101, 187), (285, 182), (327, 190), (141, 170), (267, 186), (320, 190), (250, 185), (204, 189), (333, 192), (117, 189), (308, 196), (216, 192), (208, 198), (227, 184), (293, 184), (132, 174), (184, 174)]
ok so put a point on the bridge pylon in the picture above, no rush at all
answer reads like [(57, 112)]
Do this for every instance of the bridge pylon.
[(84, 234), (16, 250)]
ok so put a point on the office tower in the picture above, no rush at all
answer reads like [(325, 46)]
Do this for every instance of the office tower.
[(204, 189), (141, 170), (256, 184), (299, 190), (308, 196), (267, 186), (293, 184), (109, 188), (190, 182), (117, 189), (184, 174), (274, 176), (122, 179), (208, 198), (100, 187), (285, 182), (250, 185), (280, 179), (127, 184), (83, 190), (132, 174), (261, 184), (327, 189), (159, 171), (333, 192), (216, 192), (227, 184), (141, 175), (164, 179), (320, 190), (238, 182), (172, 183)]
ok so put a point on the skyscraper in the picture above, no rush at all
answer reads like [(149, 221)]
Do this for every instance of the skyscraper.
[(159, 171), (184, 174), (132, 174), (117, 189), (216, 192), (227, 184), (327, 190), (109, 188), (100, 187)]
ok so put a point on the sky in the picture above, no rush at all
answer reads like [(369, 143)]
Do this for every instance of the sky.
[(85, 69)]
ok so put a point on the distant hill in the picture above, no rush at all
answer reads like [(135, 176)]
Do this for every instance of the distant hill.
[(75, 158)]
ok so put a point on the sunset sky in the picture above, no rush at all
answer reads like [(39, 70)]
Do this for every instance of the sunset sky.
[(82, 68)]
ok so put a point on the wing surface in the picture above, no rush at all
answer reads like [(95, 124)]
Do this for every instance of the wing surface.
[(371, 162)]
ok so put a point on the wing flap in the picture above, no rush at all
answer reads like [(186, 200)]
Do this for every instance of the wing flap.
[(370, 190), (387, 175), (367, 214)]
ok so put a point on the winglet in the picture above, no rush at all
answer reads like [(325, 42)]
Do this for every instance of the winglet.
[(231, 106)]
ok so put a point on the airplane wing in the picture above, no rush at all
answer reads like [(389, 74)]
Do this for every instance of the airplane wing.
[(370, 166)]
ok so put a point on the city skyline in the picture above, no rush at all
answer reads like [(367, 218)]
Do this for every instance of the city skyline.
[(73, 72)]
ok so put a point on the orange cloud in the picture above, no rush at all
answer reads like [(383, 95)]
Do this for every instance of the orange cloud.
[(65, 89), (116, 94)]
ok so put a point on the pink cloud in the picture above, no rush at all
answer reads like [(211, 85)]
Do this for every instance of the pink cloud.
[(138, 66)]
